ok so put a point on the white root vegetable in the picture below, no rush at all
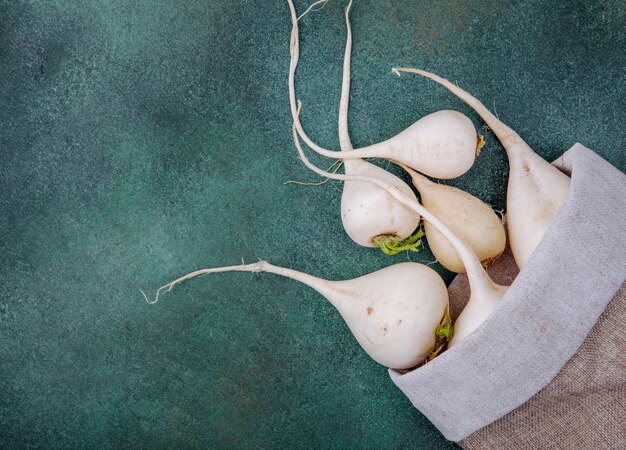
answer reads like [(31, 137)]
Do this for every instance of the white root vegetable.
[(394, 313), (369, 215), (441, 145), (469, 218), (536, 189), (485, 294)]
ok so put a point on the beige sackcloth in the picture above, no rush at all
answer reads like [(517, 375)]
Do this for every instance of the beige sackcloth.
[(547, 370)]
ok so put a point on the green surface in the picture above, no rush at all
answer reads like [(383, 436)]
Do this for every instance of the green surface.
[(140, 140)]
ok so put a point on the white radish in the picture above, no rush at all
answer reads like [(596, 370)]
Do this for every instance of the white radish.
[(467, 216), (536, 189), (442, 145), (369, 215), (394, 313), (485, 294)]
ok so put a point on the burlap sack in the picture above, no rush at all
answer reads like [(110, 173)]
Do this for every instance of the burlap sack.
[(547, 368)]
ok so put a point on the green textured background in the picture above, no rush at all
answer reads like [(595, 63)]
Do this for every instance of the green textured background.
[(140, 140)]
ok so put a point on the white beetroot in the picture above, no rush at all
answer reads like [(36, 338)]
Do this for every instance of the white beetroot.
[(485, 294), (536, 189), (468, 217), (393, 313), (441, 145), (369, 215)]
